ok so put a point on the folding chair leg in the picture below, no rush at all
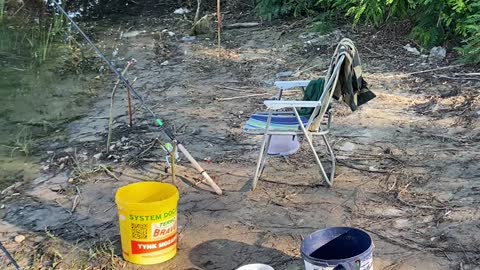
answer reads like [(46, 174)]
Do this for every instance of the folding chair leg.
[(263, 152), (332, 157), (261, 160), (265, 155), (310, 143)]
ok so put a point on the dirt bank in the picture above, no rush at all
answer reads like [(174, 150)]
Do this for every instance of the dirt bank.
[(407, 173)]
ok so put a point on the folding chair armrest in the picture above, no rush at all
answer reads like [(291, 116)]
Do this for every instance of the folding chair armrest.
[(280, 104), (286, 85)]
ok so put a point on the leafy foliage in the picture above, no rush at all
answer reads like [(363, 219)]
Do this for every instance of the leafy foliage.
[(434, 21), (270, 9)]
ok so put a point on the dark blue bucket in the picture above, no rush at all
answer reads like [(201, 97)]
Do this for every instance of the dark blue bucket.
[(338, 248)]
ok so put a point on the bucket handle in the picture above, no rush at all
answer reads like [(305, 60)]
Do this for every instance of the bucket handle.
[(348, 266)]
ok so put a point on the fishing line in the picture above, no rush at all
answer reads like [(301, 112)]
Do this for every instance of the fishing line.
[(110, 65), (158, 122)]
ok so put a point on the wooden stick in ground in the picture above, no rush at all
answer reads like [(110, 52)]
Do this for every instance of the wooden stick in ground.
[(199, 169), (112, 102), (197, 14), (130, 119), (129, 95), (219, 28), (172, 161)]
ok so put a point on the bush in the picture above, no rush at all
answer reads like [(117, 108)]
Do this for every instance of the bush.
[(435, 21), (269, 9)]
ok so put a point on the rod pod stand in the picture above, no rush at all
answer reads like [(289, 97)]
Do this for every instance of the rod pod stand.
[(129, 87)]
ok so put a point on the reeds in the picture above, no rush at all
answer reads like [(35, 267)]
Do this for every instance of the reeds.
[(2, 9)]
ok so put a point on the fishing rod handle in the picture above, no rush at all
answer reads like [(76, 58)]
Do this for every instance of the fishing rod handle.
[(200, 169)]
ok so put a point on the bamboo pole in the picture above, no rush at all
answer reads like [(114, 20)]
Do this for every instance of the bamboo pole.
[(199, 169)]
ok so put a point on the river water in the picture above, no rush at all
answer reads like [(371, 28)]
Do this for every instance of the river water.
[(42, 89)]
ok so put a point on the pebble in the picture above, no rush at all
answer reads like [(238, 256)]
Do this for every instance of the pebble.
[(188, 39), (411, 49), (438, 53), (19, 238)]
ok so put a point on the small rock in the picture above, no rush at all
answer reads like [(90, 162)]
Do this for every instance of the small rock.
[(20, 238), (284, 74), (50, 152), (97, 156), (123, 139), (56, 189), (411, 49), (70, 180), (45, 167), (188, 38), (438, 54), (170, 33), (181, 11), (133, 33), (62, 159), (2, 206), (112, 147), (164, 63), (196, 131)]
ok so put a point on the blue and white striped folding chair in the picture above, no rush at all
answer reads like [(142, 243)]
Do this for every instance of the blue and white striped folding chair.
[(289, 122)]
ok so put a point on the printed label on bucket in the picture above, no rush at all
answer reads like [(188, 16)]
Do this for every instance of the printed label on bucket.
[(149, 247), (164, 229), (150, 218), (155, 237)]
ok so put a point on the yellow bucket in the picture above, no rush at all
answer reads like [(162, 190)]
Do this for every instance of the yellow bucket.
[(147, 213)]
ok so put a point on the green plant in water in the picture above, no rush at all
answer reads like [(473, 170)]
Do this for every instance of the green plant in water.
[(48, 32), (2, 9), (23, 143)]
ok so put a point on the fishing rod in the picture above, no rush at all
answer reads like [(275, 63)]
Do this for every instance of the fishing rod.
[(9, 256), (129, 87)]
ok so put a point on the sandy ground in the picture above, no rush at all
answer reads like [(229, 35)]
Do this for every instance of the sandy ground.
[(407, 169)]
